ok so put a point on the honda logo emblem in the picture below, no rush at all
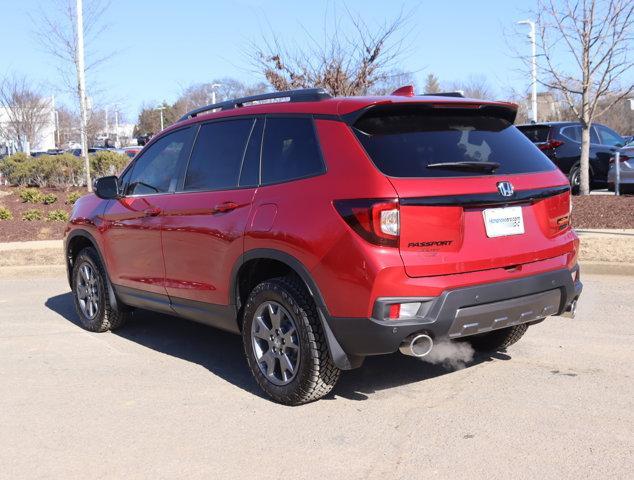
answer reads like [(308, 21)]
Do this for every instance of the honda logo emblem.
[(505, 189)]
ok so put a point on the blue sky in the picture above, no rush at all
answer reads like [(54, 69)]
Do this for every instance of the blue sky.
[(166, 45)]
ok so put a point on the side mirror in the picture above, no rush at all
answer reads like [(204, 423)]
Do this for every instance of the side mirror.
[(107, 187)]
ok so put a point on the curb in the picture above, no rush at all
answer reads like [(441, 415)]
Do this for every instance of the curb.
[(43, 271), (606, 268)]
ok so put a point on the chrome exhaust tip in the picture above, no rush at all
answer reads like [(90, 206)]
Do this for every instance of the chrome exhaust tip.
[(417, 345), (571, 310)]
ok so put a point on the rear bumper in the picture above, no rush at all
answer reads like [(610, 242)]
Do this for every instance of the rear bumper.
[(461, 312)]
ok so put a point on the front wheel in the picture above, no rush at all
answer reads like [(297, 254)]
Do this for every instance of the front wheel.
[(284, 343), (90, 289)]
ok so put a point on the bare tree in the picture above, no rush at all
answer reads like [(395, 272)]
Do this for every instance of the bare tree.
[(27, 112), (475, 86), (225, 88), (67, 125), (620, 117), (191, 97), (392, 81), (583, 50), (351, 59), (69, 28)]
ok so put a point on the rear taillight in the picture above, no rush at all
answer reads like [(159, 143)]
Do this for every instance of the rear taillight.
[(376, 220), (622, 158), (550, 145)]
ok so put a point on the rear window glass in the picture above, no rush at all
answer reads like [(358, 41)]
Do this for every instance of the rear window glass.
[(535, 133), (404, 142), (290, 150)]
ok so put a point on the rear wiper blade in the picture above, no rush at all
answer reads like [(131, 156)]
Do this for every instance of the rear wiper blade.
[(487, 166)]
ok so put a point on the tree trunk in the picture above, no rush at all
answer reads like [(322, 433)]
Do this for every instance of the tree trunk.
[(584, 184)]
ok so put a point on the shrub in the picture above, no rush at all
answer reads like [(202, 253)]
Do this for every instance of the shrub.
[(58, 171), (57, 216), (106, 162), (73, 197), (30, 195), (30, 215), (5, 214), (49, 199), (18, 169)]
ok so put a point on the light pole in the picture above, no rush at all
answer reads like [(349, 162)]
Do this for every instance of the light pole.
[(106, 129), (57, 128), (531, 36), (160, 109), (213, 92), (116, 132)]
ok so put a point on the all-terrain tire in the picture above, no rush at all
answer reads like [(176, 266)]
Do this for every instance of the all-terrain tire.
[(316, 374), (106, 317), (497, 339)]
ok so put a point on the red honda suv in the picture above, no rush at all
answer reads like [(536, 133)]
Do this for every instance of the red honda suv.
[(324, 230)]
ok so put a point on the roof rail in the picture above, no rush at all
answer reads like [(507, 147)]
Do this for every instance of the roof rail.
[(459, 94), (299, 95)]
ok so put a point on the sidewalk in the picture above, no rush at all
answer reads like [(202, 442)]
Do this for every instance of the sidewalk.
[(602, 251), (612, 246), (41, 252)]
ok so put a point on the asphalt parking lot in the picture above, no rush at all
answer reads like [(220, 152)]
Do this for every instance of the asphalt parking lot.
[(165, 398)]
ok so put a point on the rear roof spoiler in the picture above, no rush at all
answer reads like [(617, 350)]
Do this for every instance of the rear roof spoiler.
[(506, 111)]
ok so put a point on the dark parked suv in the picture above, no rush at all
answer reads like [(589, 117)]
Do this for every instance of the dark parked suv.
[(324, 230), (561, 142)]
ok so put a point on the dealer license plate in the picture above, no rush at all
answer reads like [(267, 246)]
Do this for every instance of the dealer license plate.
[(502, 222)]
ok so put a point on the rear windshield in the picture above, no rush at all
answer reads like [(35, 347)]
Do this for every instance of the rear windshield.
[(403, 142), (535, 133)]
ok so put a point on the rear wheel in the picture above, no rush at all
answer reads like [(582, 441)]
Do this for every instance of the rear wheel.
[(574, 176), (497, 339), (284, 343), (90, 289)]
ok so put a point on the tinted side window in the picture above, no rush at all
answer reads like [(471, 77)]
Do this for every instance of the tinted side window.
[(609, 137), (156, 171), (217, 156), (574, 133), (290, 150)]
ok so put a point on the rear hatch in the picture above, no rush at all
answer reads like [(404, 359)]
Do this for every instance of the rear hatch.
[(474, 193)]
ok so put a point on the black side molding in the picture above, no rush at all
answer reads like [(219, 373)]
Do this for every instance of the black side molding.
[(486, 199)]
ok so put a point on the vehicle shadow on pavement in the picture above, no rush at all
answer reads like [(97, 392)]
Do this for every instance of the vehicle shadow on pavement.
[(389, 371), (221, 353)]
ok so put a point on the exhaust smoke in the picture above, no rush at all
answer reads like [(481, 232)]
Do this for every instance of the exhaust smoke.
[(454, 355)]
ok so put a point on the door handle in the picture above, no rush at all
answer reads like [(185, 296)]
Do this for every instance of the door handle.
[(224, 207), (152, 212)]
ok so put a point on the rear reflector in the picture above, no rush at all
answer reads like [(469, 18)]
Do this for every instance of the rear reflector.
[(395, 311), (375, 220)]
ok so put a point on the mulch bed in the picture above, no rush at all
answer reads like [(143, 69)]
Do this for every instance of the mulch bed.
[(603, 211), (17, 230)]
